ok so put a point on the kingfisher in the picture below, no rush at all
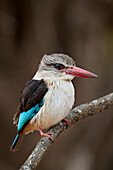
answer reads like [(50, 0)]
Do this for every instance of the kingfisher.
[(48, 97)]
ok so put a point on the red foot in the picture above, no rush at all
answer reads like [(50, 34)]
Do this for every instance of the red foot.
[(67, 121), (45, 134)]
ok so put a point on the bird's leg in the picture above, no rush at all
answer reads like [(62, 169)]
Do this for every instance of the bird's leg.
[(45, 134), (67, 121)]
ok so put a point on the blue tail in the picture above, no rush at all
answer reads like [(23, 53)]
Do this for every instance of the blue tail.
[(16, 142)]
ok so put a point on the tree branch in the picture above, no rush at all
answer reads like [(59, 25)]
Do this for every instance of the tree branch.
[(78, 113)]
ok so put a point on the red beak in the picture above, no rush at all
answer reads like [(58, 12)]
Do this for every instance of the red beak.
[(78, 72)]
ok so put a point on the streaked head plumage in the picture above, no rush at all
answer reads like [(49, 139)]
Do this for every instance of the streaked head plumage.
[(51, 62), (60, 66), (51, 65)]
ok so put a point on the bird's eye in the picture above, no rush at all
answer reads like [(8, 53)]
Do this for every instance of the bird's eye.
[(59, 66)]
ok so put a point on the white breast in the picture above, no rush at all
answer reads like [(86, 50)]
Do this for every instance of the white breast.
[(58, 101)]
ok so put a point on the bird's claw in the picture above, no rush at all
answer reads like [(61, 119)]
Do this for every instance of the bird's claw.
[(48, 135), (67, 122)]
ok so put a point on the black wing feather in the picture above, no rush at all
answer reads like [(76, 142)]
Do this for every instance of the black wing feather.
[(32, 94)]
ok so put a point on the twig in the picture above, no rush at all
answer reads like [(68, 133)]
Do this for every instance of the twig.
[(78, 113)]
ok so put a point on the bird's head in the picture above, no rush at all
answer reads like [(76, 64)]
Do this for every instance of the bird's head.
[(62, 67)]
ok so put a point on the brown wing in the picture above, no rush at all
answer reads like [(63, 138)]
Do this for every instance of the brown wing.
[(32, 94)]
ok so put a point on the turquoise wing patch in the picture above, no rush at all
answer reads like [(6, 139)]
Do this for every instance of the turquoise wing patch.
[(25, 117)]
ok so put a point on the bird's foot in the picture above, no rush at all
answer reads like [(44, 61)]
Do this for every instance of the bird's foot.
[(67, 122), (45, 134)]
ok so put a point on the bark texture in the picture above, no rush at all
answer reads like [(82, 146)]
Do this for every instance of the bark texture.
[(80, 112)]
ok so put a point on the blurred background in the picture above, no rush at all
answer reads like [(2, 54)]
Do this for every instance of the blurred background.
[(83, 29)]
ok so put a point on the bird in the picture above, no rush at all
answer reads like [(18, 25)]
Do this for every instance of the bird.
[(48, 97)]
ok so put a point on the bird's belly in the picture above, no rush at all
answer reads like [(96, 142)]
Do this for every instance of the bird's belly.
[(57, 105)]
